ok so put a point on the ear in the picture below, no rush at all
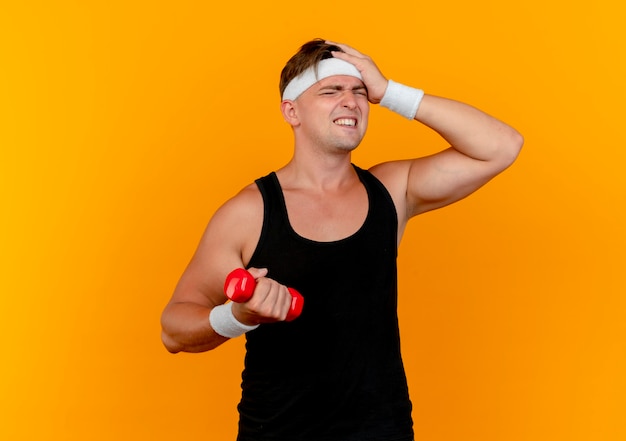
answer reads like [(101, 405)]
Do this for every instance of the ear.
[(288, 109)]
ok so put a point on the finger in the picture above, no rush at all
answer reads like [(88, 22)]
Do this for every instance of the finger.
[(360, 61), (271, 301), (283, 303), (347, 49), (262, 291), (258, 272), (357, 62)]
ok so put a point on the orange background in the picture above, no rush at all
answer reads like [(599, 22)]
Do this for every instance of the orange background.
[(124, 125)]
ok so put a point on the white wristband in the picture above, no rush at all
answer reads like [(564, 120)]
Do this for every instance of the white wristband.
[(402, 99), (225, 324)]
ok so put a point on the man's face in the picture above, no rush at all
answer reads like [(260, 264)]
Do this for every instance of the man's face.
[(333, 113)]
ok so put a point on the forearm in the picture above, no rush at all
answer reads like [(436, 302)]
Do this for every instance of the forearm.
[(186, 328), (469, 130)]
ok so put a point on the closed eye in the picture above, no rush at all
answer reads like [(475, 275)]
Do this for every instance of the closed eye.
[(331, 90)]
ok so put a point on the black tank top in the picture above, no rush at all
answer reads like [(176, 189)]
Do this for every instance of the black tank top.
[(335, 373)]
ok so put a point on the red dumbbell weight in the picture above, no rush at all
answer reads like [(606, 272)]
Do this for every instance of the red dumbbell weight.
[(240, 285)]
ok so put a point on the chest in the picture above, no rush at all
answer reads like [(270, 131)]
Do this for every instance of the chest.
[(328, 216)]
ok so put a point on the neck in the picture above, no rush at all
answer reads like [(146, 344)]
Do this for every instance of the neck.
[(318, 172)]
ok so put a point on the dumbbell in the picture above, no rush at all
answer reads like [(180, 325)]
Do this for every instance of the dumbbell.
[(240, 285)]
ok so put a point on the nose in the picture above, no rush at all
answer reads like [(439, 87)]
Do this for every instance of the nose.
[(349, 100)]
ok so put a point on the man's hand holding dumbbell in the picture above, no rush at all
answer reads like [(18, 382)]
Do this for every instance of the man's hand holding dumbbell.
[(255, 300)]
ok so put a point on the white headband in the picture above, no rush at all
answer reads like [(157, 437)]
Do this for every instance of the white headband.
[(325, 68)]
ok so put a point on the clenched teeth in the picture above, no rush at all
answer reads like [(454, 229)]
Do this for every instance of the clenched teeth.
[(346, 122)]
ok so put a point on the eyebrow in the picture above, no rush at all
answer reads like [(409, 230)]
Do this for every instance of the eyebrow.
[(340, 87)]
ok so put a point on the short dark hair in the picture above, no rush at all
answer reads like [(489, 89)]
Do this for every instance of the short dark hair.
[(311, 53)]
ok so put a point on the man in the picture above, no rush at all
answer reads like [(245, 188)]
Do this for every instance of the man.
[(330, 230)]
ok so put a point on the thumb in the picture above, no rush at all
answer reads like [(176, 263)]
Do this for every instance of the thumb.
[(258, 272)]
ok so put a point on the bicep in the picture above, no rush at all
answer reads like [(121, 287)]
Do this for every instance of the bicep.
[(201, 281), (224, 242), (443, 178)]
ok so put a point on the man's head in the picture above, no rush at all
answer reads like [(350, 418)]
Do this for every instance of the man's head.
[(324, 99), (313, 62)]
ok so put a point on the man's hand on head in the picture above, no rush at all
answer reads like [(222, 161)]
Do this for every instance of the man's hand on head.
[(374, 80)]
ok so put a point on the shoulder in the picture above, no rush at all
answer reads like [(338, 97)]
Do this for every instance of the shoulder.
[(236, 226), (394, 175), (391, 173), (247, 202)]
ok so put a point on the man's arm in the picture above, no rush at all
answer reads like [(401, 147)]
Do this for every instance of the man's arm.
[(227, 243), (480, 147)]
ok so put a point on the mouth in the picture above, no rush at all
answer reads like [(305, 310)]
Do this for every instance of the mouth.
[(345, 122)]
